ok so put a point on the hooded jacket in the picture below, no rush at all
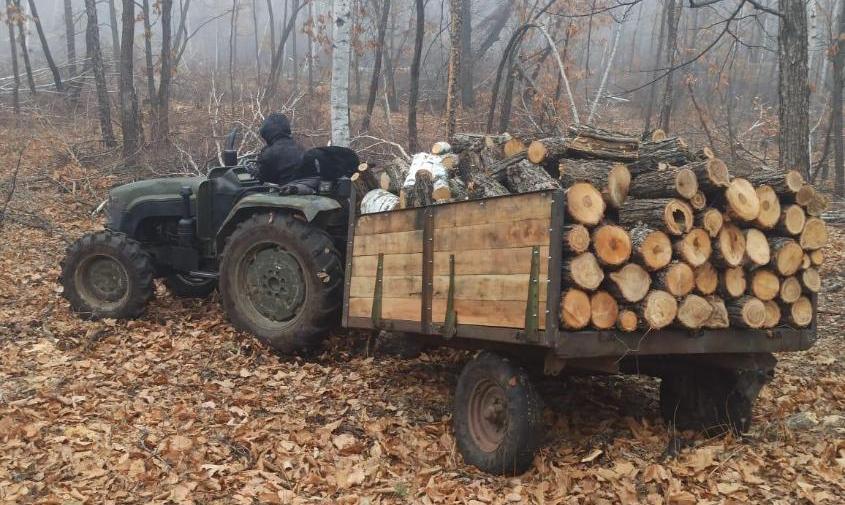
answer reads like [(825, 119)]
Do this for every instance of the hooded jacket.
[(280, 159)]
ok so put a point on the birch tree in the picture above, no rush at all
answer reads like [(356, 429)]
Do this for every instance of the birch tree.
[(342, 19)]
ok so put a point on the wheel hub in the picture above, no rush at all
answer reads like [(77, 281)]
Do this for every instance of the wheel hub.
[(488, 415), (274, 283), (104, 278)]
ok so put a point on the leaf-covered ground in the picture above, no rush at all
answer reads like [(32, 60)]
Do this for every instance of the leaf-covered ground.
[(177, 407)]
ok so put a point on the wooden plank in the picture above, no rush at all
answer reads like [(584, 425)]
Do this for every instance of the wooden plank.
[(488, 287), (497, 210), (404, 309), (507, 314), (515, 260), (407, 286), (393, 265), (388, 243), (388, 222), (527, 232)]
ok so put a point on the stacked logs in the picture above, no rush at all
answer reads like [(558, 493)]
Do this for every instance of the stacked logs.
[(658, 234)]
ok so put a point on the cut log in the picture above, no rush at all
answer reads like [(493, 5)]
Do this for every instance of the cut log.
[(705, 153), (576, 239), (711, 220), (658, 309), (817, 257), (772, 314), (811, 280), (678, 279), (765, 284), (611, 244), (609, 148), (712, 175), (585, 204), (757, 250), (790, 289), (805, 195), (785, 185), (806, 262), (393, 175), (613, 179), (669, 214), (575, 310), (479, 183), (514, 146), (379, 200), (525, 177), (418, 195), (698, 201), (706, 279), (732, 283), (730, 247), (658, 135), (627, 321), (792, 220), (461, 142), (583, 271), (769, 208), (450, 161), (630, 283), (787, 255), (499, 169), (458, 189), (695, 247), (818, 205), (801, 312), (360, 185), (673, 151), (676, 182), (441, 148), (694, 311), (603, 310), (742, 201), (746, 312), (547, 150), (814, 235), (651, 247), (719, 317)]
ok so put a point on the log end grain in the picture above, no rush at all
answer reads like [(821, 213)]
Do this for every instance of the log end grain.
[(757, 250), (694, 311), (765, 284), (659, 309), (742, 200), (603, 310), (801, 312), (730, 247), (631, 282), (790, 289), (611, 244), (627, 321), (706, 279), (769, 207), (585, 204), (695, 247), (575, 309), (814, 235)]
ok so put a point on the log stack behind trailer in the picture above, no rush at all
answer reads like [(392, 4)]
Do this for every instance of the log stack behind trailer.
[(651, 234)]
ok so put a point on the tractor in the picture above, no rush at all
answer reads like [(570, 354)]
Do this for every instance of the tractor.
[(275, 257)]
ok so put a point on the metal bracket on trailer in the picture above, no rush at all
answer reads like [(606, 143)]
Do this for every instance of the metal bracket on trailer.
[(377, 292), (532, 306), (450, 326)]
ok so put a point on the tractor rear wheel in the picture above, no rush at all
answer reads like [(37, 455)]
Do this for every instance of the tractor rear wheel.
[(107, 275), (282, 280), (186, 286)]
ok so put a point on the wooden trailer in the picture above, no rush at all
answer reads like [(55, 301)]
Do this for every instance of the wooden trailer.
[(487, 274)]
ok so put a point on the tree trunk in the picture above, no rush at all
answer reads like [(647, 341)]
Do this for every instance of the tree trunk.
[(711, 220), (233, 45), (13, 50), (70, 38), (24, 48), (694, 247), (342, 15), (413, 97), (382, 31), (271, 19), (455, 27), (129, 118), (814, 236), (673, 15), (162, 122), (152, 95), (115, 37), (255, 39), (787, 255), (837, 84), (57, 78), (793, 88), (278, 60), (92, 40), (765, 284), (466, 80)]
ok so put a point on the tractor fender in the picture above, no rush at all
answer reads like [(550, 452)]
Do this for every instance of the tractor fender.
[(309, 206)]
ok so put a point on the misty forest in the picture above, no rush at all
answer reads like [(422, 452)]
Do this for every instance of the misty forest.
[(658, 115)]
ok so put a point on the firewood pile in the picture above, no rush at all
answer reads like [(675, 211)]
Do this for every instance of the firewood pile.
[(657, 234)]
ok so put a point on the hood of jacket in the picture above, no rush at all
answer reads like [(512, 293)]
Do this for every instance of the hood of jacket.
[(275, 126)]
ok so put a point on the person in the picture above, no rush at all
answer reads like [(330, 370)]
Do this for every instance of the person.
[(280, 159)]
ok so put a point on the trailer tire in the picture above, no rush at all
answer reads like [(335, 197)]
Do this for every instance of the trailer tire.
[(711, 400), (497, 416)]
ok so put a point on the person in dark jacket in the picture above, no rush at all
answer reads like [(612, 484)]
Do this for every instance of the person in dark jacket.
[(280, 159)]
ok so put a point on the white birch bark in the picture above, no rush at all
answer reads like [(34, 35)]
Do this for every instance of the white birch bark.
[(342, 15)]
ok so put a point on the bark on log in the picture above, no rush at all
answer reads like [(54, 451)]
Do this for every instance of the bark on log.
[(658, 309), (575, 309), (611, 244), (730, 247), (712, 175), (765, 284), (547, 150), (792, 220), (479, 184), (746, 312), (669, 214), (706, 279), (576, 239), (603, 310), (630, 283), (785, 185), (769, 207), (613, 179), (787, 255), (694, 311), (674, 182), (732, 283), (651, 247), (418, 195), (393, 175), (719, 317), (711, 220), (378, 200), (790, 289), (800, 313), (673, 150), (814, 234), (583, 271), (499, 169), (585, 204), (458, 190), (694, 247), (757, 251), (677, 279), (461, 142), (525, 177)]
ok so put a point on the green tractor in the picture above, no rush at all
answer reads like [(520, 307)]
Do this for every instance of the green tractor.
[(275, 257)]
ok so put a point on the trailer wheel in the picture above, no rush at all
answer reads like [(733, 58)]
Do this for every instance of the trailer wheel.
[(497, 415), (711, 400)]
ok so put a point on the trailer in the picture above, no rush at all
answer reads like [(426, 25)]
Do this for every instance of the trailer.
[(487, 275)]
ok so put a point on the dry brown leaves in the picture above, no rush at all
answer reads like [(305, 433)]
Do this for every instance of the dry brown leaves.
[(177, 407)]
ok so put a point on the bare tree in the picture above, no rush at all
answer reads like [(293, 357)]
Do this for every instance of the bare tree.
[(382, 31), (19, 16), (162, 120), (413, 97), (276, 64), (838, 78), (57, 78), (342, 17), (129, 118), (255, 38), (456, 9), (793, 87), (233, 48), (673, 15), (152, 94), (70, 37), (92, 41), (13, 50), (466, 81), (115, 36)]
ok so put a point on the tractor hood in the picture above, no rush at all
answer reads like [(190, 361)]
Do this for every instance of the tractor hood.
[(146, 198)]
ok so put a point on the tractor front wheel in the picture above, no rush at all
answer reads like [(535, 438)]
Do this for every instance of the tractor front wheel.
[(107, 275)]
